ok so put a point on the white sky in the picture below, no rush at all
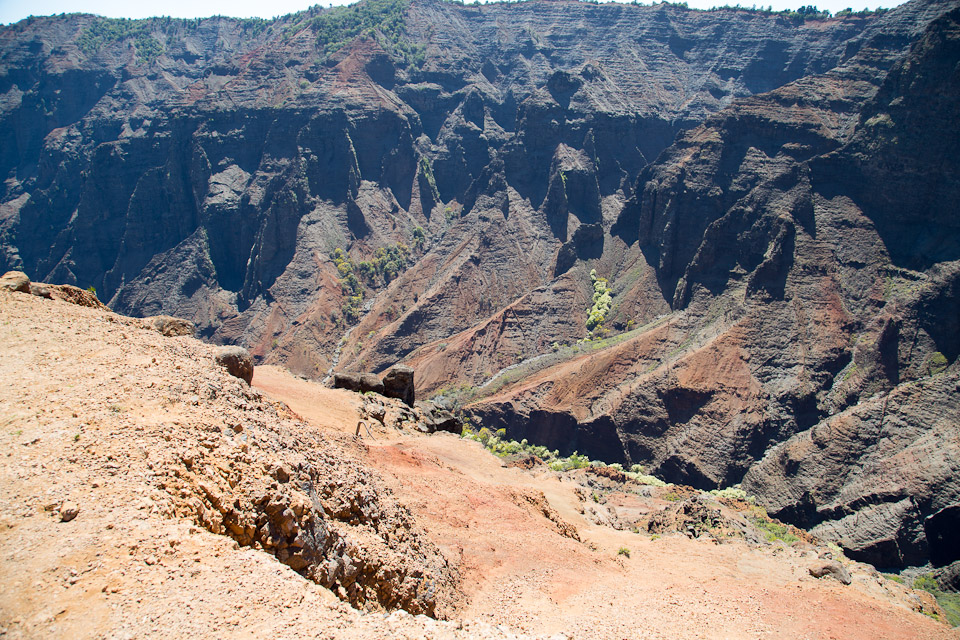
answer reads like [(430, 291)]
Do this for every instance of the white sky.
[(14, 10)]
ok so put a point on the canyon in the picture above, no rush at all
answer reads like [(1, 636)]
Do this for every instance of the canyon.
[(767, 203)]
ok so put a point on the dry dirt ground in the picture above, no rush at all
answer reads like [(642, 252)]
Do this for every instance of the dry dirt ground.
[(120, 423)]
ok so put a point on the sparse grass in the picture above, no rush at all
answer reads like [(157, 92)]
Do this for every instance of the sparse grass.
[(500, 446), (937, 363), (734, 493), (949, 602), (623, 551), (772, 530), (895, 578)]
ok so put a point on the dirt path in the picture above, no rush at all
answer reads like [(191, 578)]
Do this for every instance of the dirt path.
[(522, 573)]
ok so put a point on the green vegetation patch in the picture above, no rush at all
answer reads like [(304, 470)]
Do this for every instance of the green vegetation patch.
[(602, 299), (500, 446), (387, 263), (106, 31), (949, 602), (937, 363), (772, 529), (383, 20)]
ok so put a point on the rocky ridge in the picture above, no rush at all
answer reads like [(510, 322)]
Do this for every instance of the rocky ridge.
[(206, 447)]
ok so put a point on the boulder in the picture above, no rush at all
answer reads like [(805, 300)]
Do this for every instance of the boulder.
[(398, 383), (831, 568), (371, 382), (348, 381), (171, 326), (237, 361), (15, 281), (40, 290), (438, 419)]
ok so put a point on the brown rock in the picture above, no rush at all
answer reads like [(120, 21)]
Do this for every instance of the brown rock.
[(171, 326), (75, 295), (398, 383), (237, 361), (348, 381), (40, 290), (15, 281), (68, 511), (371, 382), (831, 568)]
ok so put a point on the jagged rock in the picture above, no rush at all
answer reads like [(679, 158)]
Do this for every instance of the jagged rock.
[(526, 462), (609, 472), (398, 383), (68, 511), (237, 361), (171, 326), (438, 419), (15, 281), (833, 569), (948, 577), (75, 295), (375, 410)]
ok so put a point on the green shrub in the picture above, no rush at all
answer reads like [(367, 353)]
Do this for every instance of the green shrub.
[(602, 300), (774, 530), (623, 551)]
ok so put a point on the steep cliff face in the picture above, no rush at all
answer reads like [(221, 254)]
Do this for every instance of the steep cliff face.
[(770, 201), (803, 240)]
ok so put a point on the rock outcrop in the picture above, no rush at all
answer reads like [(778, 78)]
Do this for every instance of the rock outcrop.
[(237, 361)]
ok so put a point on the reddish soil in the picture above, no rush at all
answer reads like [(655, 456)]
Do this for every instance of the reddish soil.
[(521, 572)]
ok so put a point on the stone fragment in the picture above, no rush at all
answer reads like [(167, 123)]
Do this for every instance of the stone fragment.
[(237, 361), (68, 511), (398, 383), (171, 326), (831, 568), (40, 290), (282, 473), (15, 281)]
